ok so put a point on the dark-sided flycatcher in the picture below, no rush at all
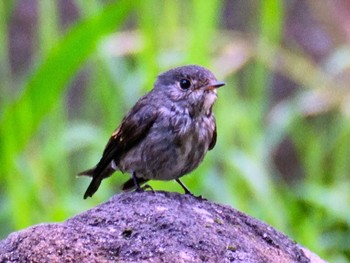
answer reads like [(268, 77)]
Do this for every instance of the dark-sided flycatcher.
[(166, 134)]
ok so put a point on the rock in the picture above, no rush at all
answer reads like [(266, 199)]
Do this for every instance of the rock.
[(153, 227)]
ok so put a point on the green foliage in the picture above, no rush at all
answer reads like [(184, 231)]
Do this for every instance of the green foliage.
[(50, 130), (43, 89)]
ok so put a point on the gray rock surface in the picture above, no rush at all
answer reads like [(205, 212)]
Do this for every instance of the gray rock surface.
[(153, 227)]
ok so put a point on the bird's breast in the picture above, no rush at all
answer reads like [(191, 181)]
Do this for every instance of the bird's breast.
[(192, 137), (175, 145)]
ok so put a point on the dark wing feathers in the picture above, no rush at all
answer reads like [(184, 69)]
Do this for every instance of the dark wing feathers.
[(213, 139), (133, 129)]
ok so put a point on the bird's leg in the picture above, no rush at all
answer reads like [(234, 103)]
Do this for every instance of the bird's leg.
[(147, 186), (136, 183), (187, 191)]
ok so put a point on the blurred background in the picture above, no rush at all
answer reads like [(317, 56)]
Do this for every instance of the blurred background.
[(70, 70)]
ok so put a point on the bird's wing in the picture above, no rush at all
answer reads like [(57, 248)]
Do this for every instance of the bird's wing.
[(213, 139), (133, 129)]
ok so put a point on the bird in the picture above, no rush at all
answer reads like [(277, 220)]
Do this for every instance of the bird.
[(166, 134)]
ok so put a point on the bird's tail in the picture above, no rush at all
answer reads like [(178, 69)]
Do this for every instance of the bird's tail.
[(96, 179)]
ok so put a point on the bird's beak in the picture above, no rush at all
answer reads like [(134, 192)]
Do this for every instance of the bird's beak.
[(215, 85)]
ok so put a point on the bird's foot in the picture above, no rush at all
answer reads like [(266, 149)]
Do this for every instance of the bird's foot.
[(139, 190), (200, 197), (147, 186)]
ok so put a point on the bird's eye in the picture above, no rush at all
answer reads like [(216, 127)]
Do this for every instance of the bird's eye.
[(185, 83)]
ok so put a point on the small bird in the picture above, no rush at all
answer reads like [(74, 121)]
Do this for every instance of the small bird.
[(166, 134)]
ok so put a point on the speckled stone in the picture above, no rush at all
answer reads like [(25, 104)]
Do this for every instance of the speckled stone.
[(153, 227)]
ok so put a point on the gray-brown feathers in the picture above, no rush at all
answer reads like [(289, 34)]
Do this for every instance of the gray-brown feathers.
[(167, 133)]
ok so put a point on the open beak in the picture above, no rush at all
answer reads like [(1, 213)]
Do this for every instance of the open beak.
[(215, 85)]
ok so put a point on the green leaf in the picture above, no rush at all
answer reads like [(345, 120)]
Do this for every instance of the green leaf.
[(48, 82)]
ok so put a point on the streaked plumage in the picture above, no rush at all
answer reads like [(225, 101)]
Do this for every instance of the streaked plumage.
[(166, 134)]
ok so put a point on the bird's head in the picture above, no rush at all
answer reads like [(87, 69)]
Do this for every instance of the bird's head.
[(191, 87)]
